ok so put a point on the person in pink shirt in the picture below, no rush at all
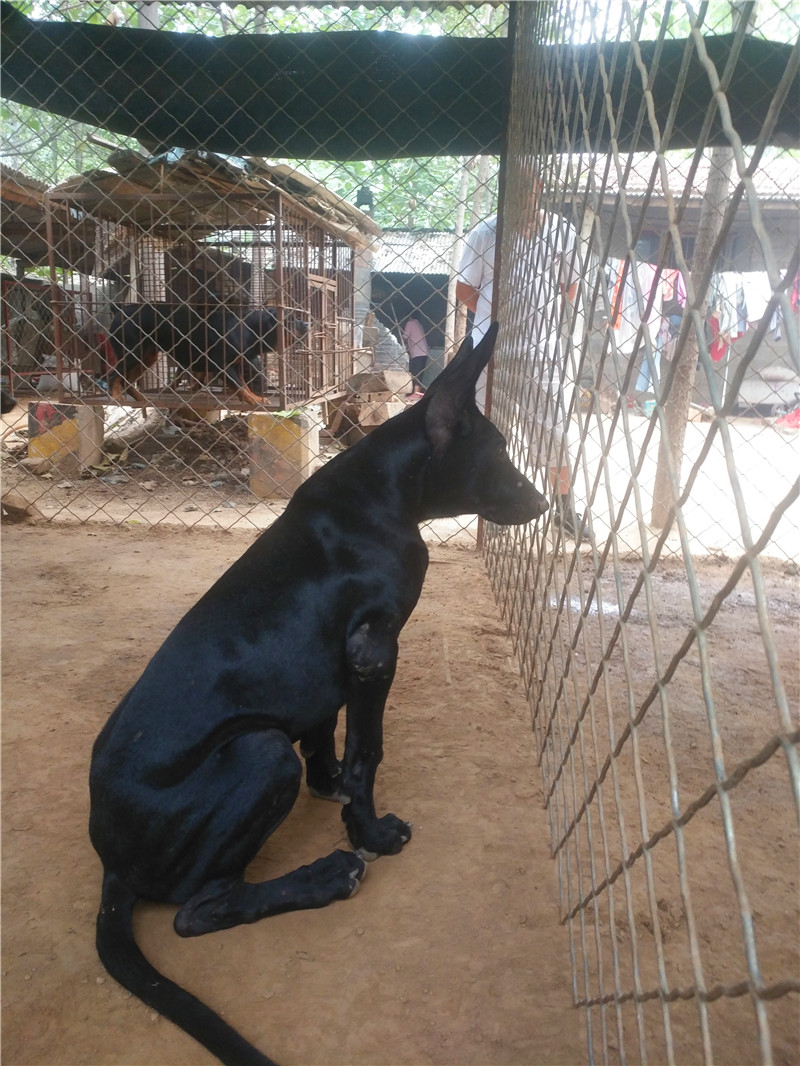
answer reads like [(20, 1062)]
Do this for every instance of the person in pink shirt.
[(417, 347)]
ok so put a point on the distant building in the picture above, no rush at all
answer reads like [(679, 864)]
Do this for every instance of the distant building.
[(411, 270)]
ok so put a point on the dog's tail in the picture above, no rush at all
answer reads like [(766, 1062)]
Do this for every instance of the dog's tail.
[(122, 958)]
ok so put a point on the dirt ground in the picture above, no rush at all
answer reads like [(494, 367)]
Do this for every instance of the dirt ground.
[(191, 473), (451, 953), (734, 858)]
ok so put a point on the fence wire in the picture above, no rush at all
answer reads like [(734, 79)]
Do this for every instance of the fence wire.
[(193, 332), (191, 328), (672, 782)]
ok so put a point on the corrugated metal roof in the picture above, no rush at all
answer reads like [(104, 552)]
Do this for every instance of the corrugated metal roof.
[(190, 188), (200, 188), (774, 179), (414, 252)]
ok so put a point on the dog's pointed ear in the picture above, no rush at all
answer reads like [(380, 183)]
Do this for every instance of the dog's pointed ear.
[(453, 392)]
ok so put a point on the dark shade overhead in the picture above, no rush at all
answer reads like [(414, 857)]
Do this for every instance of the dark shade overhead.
[(352, 95), (341, 95)]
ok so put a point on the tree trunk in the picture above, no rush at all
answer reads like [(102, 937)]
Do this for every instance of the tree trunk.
[(456, 313), (147, 14), (676, 405)]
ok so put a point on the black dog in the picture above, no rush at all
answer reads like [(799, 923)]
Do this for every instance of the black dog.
[(196, 766), (204, 343)]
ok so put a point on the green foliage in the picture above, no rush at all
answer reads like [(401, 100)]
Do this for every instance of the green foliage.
[(419, 193), (408, 193), (48, 147), (463, 19)]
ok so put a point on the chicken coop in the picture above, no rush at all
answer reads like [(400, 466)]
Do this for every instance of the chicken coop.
[(246, 269)]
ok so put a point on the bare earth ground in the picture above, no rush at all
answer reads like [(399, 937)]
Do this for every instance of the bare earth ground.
[(451, 952), (196, 474)]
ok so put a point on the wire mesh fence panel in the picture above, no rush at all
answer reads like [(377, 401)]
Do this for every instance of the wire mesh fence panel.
[(649, 378), (231, 238)]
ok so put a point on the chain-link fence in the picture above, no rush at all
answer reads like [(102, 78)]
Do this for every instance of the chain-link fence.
[(648, 180), (194, 328), (236, 237)]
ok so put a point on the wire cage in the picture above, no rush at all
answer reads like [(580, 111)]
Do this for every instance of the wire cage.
[(194, 282)]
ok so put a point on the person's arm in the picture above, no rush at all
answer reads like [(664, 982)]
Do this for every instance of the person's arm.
[(470, 277), (467, 294)]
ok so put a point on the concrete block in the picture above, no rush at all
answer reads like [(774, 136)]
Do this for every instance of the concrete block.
[(68, 436), (283, 446), (380, 380)]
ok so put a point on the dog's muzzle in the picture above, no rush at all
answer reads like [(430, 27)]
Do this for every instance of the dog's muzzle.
[(523, 508)]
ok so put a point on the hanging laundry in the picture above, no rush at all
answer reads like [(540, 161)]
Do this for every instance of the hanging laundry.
[(726, 300), (717, 342), (775, 323), (627, 309), (674, 293), (757, 294), (727, 312)]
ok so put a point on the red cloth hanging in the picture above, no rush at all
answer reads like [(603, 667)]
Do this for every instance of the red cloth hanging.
[(719, 343)]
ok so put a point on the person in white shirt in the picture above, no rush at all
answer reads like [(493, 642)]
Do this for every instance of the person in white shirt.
[(475, 281), (545, 271)]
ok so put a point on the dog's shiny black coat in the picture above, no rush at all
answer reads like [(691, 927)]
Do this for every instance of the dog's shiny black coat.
[(196, 766), (206, 343)]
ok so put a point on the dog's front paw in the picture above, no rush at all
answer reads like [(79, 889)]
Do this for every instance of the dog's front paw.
[(383, 836)]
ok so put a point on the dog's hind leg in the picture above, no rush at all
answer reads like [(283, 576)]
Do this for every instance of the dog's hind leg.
[(230, 835), (231, 901), (323, 769), (130, 366)]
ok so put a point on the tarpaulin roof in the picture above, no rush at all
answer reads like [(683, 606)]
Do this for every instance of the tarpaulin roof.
[(356, 94)]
